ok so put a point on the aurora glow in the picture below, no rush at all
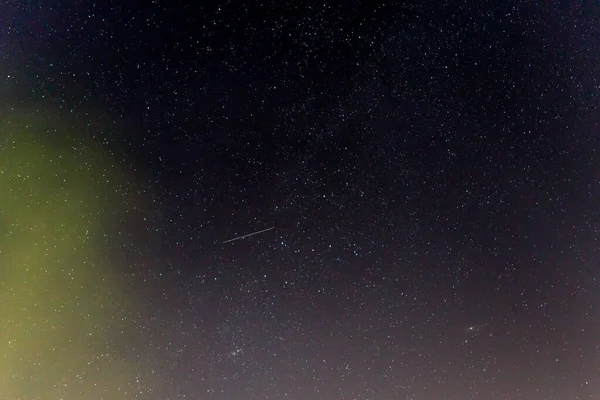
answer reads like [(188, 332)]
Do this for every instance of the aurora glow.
[(62, 312)]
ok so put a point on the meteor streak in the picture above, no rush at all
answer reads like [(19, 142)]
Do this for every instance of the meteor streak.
[(248, 235)]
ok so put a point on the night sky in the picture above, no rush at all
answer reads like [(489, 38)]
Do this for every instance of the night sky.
[(426, 175)]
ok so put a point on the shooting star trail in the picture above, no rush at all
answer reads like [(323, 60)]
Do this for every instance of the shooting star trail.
[(248, 235)]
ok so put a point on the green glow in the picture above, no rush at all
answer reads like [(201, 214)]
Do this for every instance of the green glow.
[(62, 312)]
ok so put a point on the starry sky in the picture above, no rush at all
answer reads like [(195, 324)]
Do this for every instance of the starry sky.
[(425, 174)]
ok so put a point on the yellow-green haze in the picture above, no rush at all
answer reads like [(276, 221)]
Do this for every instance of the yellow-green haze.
[(62, 310)]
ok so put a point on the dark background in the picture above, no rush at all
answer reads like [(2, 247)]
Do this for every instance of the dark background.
[(430, 170)]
